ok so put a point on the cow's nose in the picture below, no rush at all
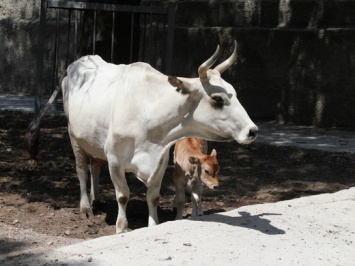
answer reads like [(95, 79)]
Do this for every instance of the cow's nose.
[(214, 186), (253, 133)]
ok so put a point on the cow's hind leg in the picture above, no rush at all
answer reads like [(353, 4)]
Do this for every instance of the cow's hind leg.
[(81, 161), (95, 168), (95, 173), (122, 195)]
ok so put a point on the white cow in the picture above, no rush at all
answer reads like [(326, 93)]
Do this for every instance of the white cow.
[(130, 115)]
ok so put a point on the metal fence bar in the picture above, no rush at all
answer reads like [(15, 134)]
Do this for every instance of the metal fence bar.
[(144, 37), (55, 59), (94, 35), (75, 33), (75, 9), (41, 41), (170, 40), (113, 35), (68, 37), (150, 38), (132, 38), (105, 7)]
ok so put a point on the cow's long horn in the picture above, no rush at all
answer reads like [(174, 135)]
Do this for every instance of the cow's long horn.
[(224, 65), (202, 70)]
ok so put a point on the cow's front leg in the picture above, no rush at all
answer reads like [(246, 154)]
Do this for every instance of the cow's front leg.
[(153, 190), (153, 197), (122, 195)]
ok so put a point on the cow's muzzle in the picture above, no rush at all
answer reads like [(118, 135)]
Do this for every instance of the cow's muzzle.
[(212, 186), (253, 133)]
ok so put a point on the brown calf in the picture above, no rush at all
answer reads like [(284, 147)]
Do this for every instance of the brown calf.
[(192, 168)]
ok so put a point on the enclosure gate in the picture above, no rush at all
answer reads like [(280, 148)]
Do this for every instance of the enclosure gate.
[(150, 20)]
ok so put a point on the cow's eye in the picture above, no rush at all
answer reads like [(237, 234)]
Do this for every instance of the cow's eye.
[(217, 100), (207, 172)]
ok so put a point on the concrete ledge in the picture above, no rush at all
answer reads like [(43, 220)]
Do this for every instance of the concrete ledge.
[(316, 230)]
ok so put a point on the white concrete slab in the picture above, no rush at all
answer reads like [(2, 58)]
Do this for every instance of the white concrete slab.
[(316, 230)]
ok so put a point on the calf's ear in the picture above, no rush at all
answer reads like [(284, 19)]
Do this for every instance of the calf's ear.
[(178, 84), (194, 160), (213, 153)]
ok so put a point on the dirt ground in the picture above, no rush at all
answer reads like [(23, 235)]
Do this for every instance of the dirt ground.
[(39, 203)]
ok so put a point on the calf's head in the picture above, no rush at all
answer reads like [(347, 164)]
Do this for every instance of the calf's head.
[(206, 169), (217, 115)]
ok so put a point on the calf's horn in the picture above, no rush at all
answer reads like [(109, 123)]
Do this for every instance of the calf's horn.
[(202, 70), (224, 65)]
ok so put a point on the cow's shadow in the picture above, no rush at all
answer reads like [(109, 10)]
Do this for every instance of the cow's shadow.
[(137, 213), (255, 222)]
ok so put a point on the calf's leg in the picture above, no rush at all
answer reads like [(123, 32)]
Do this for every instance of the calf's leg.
[(196, 195)]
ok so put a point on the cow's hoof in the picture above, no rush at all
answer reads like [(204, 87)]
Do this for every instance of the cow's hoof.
[(122, 231), (86, 213)]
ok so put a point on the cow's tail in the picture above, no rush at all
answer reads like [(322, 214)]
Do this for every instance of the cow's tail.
[(33, 130)]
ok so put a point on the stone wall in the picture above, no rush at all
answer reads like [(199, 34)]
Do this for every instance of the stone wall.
[(296, 58), (18, 31)]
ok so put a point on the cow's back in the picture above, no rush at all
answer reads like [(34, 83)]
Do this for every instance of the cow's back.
[(96, 92)]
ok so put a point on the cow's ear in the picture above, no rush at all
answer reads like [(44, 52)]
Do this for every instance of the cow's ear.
[(178, 84), (193, 160), (174, 81)]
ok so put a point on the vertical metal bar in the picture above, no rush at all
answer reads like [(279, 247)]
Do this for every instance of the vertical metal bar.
[(94, 35), (170, 39), (155, 47), (164, 44), (68, 38), (40, 57), (113, 35), (81, 23), (164, 22), (144, 37), (150, 37), (75, 33), (132, 39), (55, 59)]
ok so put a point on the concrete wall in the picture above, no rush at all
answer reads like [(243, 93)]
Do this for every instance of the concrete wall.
[(296, 58), (18, 31)]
